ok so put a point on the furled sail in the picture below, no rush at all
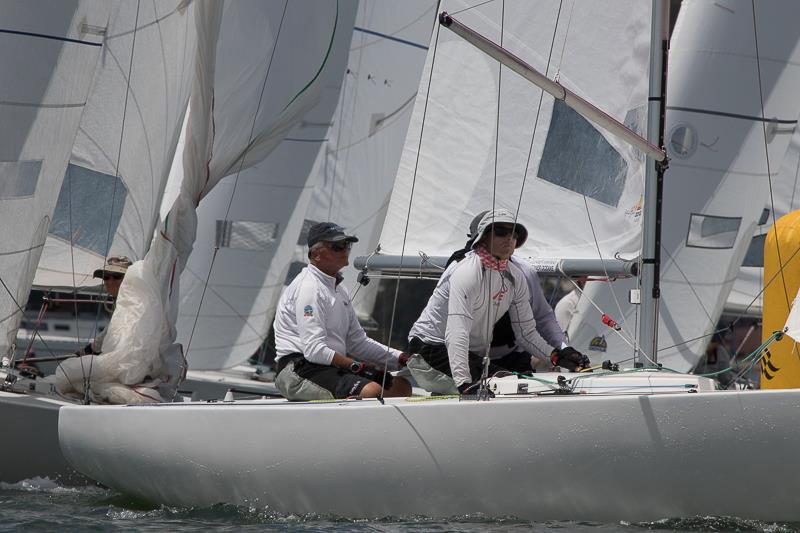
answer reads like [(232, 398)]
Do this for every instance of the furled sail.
[(230, 128), (125, 143), (479, 136), (723, 145), (48, 54)]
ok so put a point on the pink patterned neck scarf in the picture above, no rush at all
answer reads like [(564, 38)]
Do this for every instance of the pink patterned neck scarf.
[(489, 261)]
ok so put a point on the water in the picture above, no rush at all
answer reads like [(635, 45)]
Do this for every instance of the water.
[(40, 505)]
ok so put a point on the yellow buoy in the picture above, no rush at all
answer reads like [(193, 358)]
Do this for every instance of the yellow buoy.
[(780, 367)]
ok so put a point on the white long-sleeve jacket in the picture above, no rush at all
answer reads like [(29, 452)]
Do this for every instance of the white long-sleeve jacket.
[(315, 318), (467, 302)]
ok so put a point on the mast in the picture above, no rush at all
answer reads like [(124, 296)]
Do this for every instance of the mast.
[(649, 280)]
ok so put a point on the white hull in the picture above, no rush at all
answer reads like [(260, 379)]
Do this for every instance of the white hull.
[(579, 457), (29, 447)]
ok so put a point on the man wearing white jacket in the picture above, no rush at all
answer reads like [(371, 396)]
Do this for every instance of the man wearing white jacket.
[(454, 330), (322, 351)]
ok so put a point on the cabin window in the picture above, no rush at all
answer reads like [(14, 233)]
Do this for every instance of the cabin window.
[(18, 179), (577, 157), (707, 231), (755, 252), (61, 327), (89, 209), (246, 235)]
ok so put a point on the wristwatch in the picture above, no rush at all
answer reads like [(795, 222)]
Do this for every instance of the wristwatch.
[(355, 366)]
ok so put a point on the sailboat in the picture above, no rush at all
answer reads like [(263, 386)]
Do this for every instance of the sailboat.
[(633, 445)]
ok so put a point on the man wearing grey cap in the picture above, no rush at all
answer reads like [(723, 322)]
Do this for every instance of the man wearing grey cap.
[(455, 329), (322, 352)]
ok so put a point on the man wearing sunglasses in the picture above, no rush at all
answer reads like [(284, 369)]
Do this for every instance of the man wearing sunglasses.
[(455, 329), (322, 352), (112, 274)]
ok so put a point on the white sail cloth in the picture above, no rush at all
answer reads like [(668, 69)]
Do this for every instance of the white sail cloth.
[(48, 53), (721, 147), (250, 225), (124, 147), (358, 166), (230, 127), (478, 125)]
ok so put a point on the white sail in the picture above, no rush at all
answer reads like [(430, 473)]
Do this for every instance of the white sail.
[(229, 129), (48, 53), (125, 144), (716, 188), (600, 51), (361, 156), (746, 295), (251, 231)]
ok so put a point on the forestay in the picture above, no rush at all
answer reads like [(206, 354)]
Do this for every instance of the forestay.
[(582, 187), (48, 54)]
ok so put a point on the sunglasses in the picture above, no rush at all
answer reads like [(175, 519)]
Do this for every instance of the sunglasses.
[(340, 246), (505, 231), (112, 275)]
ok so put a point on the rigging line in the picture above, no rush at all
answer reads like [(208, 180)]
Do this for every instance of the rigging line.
[(470, 7), (381, 124), (767, 285), (622, 317), (238, 172), (87, 379), (489, 308), (413, 184), (566, 36), (538, 109), (766, 153)]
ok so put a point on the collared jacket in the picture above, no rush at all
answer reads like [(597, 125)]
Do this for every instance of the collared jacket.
[(315, 318), (466, 303)]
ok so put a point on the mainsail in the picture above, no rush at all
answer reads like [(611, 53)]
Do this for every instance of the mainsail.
[(48, 53), (482, 136)]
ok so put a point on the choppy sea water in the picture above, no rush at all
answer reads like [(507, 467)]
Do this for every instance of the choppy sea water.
[(41, 505)]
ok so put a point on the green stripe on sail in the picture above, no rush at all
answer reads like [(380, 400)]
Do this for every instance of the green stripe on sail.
[(324, 61)]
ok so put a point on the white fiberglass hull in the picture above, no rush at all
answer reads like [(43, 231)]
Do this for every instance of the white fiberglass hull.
[(578, 457)]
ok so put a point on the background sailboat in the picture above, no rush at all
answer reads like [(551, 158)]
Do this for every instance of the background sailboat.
[(723, 157)]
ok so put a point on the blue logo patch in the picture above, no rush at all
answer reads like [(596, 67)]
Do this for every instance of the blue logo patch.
[(308, 311)]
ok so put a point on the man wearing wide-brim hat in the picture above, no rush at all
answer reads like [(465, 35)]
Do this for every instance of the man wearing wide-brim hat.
[(454, 331), (112, 273)]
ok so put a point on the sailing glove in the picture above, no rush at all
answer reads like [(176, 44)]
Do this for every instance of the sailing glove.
[(364, 370), (569, 358)]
